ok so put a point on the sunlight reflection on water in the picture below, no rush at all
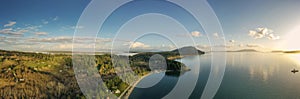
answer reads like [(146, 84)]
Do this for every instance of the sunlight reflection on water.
[(250, 75), (295, 58)]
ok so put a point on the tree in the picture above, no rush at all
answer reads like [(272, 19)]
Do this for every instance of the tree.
[(122, 86)]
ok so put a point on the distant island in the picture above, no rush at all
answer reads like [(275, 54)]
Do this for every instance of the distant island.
[(277, 51), (288, 52), (176, 53), (297, 51), (244, 50)]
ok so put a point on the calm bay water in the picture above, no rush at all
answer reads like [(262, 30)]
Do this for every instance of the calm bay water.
[(248, 75)]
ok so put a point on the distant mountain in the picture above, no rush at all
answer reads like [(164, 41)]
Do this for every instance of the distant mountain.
[(290, 52), (296, 51), (188, 50), (174, 54), (185, 50), (245, 50), (170, 56)]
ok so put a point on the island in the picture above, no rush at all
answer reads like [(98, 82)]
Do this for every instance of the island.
[(245, 50), (287, 52)]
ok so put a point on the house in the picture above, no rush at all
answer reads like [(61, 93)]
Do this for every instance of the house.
[(22, 80), (117, 91)]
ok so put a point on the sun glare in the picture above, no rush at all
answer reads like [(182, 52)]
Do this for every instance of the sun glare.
[(292, 40)]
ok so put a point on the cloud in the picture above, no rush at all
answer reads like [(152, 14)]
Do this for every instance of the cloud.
[(50, 19), (196, 34), (10, 23), (171, 46), (41, 33), (32, 28), (225, 45), (255, 35), (11, 32), (204, 47), (254, 45), (263, 33), (241, 45), (45, 22), (6, 30), (69, 27), (53, 43), (273, 37), (216, 35), (20, 31), (77, 27), (2, 38), (163, 47), (55, 18), (68, 39), (60, 39), (139, 45)]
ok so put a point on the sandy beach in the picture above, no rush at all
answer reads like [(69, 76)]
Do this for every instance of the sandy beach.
[(127, 92)]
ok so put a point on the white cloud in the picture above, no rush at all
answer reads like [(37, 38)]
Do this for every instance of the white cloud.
[(53, 43), (11, 32), (41, 33), (163, 47), (139, 45), (10, 23), (204, 47), (60, 39), (171, 47), (77, 27), (263, 33), (232, 41), (6, 30), (216, 35), (55, 18), (2, 38), (20, 31), (255, 34), (69, 39), (45, 22), (252, 33), (50, 19), (241, 45), (254, 45), (273, 37), (196, 34), (69, 27), (32, 28)]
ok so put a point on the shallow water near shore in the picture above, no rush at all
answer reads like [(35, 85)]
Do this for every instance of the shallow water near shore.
[(248, 75)]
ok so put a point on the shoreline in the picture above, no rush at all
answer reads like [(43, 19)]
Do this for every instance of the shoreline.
[(129, 89)]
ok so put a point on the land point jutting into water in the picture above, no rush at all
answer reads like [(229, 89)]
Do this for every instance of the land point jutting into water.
[(40, 75)]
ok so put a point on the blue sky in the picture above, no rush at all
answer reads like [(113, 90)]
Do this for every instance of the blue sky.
[(39, 25), (58, 13), (239, 16)]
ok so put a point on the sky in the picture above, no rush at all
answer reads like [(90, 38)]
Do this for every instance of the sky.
[(49, 25)]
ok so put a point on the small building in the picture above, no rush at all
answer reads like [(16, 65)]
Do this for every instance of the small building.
[(36, 69), (117, 91), (22, 80)]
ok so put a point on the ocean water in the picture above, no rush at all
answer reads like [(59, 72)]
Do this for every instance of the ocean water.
[(248, 75)]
